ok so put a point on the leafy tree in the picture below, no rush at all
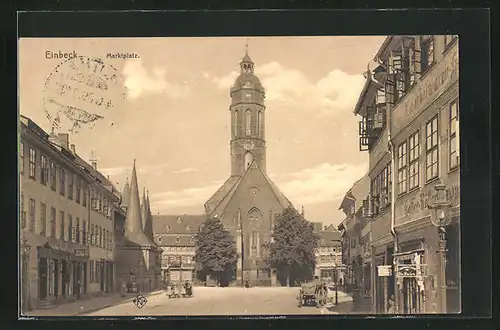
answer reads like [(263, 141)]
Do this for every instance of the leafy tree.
[(291, 252), (215, 252)]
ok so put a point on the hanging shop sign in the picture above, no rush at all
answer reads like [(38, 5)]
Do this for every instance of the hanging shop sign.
[(384, 270)]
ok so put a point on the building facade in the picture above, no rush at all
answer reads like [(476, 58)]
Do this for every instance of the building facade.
[(410, 114), (329, 266), (66, 221), (355, 232), (175, 235), (138, 257), (248, 201)]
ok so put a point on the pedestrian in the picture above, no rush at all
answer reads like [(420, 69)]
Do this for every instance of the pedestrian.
[(123, 289), (390, 305), (78, 289)]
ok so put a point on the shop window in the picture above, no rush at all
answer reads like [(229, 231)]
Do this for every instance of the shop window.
[(413, 168), (431, 146)]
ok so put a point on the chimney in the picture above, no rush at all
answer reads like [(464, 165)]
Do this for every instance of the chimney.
[(93, 160), (73, 150), (64, 138)]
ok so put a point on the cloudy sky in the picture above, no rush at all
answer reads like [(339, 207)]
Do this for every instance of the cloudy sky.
[(174, 117)]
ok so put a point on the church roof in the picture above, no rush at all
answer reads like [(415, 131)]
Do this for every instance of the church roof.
[(248, 77), (125, 194), (177, 224), (221, 193), (284, 202), (133, 223)]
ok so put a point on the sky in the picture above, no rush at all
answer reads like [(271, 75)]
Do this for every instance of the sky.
[(169, 110)]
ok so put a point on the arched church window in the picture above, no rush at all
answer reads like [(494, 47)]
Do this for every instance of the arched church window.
[(248, 160), (248, 122), (236, 122), (259, 123), (254, 215)]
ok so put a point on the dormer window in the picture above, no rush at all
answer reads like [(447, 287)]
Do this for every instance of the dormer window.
[(188, 228), (159, 238), (191, 239), (179, 220), (167, 228), (177, 239)]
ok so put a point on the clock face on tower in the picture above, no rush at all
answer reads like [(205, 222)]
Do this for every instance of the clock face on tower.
[(248, 145)]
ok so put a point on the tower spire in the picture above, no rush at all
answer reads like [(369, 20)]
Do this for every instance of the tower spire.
[(246, 47)]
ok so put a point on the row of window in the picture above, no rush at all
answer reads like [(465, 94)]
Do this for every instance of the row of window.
[(173, 259), (381, 190), (248, 122), (70, 230), (409, 152), (415, 56), (328, 249), (177, 239), (179, 248), (327, 259), (70, 185)]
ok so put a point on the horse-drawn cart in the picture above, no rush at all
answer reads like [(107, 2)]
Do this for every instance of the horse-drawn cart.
[(311, 293)]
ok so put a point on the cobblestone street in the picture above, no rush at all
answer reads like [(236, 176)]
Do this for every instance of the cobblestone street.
[(222, 301)]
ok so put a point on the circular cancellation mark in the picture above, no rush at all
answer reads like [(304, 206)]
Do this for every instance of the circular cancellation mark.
[(80, 91)]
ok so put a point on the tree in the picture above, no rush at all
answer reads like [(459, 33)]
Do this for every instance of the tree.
[(291, 252), (215, 252)]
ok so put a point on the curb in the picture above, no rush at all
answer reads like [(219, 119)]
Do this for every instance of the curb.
[(92, 310)]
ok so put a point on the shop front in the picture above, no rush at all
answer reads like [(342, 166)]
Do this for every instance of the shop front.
[(60, 273)]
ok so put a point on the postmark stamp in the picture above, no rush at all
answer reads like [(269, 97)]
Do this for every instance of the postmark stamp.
[(140, 301), (80, 91)]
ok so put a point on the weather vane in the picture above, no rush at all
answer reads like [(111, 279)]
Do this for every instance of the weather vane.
[(246, 47)]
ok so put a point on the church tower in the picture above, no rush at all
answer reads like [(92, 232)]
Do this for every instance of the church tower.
[(247, 109)]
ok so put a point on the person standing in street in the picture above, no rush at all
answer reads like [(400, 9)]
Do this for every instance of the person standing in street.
[(78, 289), (390, 305)]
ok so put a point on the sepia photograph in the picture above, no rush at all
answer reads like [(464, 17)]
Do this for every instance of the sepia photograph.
[(239, 176)]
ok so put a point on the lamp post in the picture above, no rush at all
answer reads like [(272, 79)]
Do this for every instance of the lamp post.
[(25, 253), (440, 218)]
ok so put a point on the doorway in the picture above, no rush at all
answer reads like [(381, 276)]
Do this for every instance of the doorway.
[(42, 278), (412, 296)]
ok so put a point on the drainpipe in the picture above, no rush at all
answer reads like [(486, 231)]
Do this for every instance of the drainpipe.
[(393, 204), (391, 148)]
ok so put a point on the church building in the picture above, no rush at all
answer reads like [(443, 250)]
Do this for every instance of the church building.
[(248, 201)]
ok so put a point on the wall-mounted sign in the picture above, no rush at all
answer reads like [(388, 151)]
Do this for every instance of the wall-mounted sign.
[(80, 252), (385, 270), (441, 76), (417, 204)]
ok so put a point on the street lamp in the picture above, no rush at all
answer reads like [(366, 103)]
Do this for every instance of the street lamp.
[(440, 218)]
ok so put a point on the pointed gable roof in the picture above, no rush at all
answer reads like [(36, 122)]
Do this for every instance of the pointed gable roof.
[(144, 214), (133, 223), (284, 202), (219, 195), (125, 194), (148, 226)]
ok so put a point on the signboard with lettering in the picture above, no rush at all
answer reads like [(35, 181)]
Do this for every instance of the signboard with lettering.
[(415, 205), (385, 270), (439, 77), (80, 252)]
